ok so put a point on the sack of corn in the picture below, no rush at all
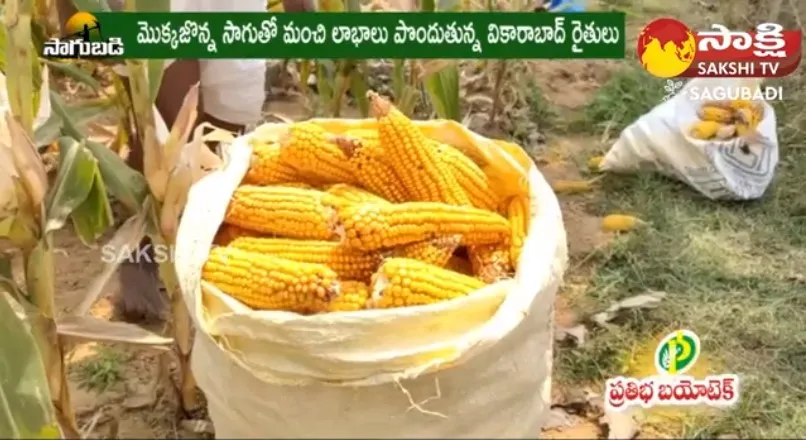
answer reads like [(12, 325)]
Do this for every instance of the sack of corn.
[(725, 149), (377, 278)]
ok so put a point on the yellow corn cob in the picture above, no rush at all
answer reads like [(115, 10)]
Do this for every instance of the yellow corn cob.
[(307, 147), (469, 176), (348, 264), (741, 103), (750, 116), (352, 296), (414, 157), (373, 170), (571, 186), (705, 130), (402, 282), (491, 262), (620, 223), (265, 282), (371, 226), (595, 163), (715, 114), (267, 168), (282, 211), (437, 251), (226, 233), (353, 194), (295, 185), (518, 216)]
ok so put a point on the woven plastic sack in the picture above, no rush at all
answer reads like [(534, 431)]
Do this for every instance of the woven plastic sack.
[(720, 170), (475, 367)]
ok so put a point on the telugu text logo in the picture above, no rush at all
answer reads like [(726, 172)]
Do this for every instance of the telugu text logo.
[(82, 39), (675, 355), (668, 48)]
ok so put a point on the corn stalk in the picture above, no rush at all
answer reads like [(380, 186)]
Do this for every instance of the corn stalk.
[(31, 210), (412, 80), (171, 164)]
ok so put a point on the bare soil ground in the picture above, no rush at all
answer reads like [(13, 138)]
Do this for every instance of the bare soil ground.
[(733, 273)]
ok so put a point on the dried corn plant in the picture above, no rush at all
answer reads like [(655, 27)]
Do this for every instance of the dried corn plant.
[(414, 84), (32, 209)]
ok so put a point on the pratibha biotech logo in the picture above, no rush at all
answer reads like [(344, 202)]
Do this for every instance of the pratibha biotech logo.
[(82, 39)]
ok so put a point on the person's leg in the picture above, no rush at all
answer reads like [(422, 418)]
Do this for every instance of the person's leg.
[(140, 298)]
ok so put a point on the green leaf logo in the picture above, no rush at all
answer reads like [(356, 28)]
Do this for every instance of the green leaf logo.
[(677, 352)]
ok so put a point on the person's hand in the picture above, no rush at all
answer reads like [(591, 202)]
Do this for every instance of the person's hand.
[(299, 5)]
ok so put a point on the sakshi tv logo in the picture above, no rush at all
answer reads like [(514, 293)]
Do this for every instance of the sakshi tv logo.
[(675, 355), (668, 48), (82, 38)]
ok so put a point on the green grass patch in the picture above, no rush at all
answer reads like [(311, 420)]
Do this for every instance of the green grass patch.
[(102, 371), (733, 273)]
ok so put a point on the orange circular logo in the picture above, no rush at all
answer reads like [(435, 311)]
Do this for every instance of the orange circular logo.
[(666, 48), (83, 25)]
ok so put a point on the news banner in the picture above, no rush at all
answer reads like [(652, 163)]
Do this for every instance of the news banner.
[(346, 35)]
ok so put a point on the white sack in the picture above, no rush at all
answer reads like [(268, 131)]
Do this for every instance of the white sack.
[(476, 367), (659, 141)]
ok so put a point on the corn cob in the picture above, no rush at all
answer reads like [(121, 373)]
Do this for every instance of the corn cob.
[(373, 171), (571, 186), (518, 216), (302, 185), (750, 116), (491, 262), (413, 157), (353, 194), (348, 264), (226, 233), (265, 282), (282, 211), (620, 223), (352, 296), (715, 114), (371, 226), (705, 130), (267, 168), (469, 176), (437, 251), (402, 282), (308, 148), (595, 163)]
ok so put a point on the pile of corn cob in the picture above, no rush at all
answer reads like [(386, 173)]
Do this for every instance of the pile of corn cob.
[(724, 120), (374, 218)]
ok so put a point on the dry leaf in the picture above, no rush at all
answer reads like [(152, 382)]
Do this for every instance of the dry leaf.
[(126, 237), (644, 301), (94, 329), (621, 424), (576, 333)]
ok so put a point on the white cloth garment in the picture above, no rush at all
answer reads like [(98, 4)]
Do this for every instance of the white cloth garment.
[(232, 90)]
